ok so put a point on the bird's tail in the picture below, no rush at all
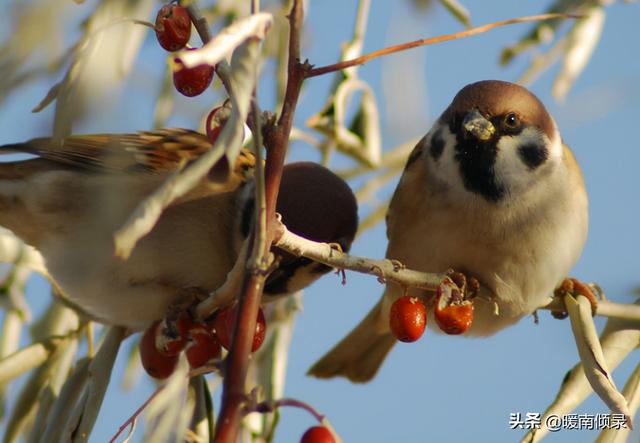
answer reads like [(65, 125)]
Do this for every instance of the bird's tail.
[(360, 354)]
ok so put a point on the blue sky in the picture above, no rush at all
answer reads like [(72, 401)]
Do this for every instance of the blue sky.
[(441, 388)]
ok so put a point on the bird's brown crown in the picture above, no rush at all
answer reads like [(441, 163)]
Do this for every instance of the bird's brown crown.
[(495, 98)]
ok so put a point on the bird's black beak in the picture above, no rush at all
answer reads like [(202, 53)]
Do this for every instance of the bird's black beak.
[(477, 126)]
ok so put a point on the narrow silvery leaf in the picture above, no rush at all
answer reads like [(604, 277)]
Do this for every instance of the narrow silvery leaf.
[(458, 11), (581, 43), (223, 44), (591, 355), (29, 399), (100, 374), (59, 374), (48, 99), (64, 405), (542, 62), (105, 55), (631, 392), (364, 146), (619, 339)]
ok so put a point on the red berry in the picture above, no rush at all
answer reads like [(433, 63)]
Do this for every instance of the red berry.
[(318, 434), (223, 327), (203, 348), (157, 364), (408, 318), (192, 81), (173, 27), (453, 314), (261, 331), (215, 122)]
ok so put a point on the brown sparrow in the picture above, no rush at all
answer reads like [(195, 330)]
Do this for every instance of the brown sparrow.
[(492, 191), (69, 201)]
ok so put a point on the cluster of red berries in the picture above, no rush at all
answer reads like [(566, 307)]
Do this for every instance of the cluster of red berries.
[(173, 30), (453, 314), (202, 342)]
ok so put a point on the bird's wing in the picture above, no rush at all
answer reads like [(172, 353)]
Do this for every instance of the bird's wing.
[(404, 193), (147, 152)]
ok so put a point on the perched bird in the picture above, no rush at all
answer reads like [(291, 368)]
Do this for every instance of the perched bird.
[(492, 191), (69, 201)]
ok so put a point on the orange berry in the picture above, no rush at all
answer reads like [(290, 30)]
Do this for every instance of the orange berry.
[(408, 318), (317, 434)]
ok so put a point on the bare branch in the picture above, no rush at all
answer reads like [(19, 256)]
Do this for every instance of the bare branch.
[(430, 41)]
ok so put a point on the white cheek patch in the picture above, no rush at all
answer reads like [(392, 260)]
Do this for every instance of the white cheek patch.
[(521, 157), (445, 168)]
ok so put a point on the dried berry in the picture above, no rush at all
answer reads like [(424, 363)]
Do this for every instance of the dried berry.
[(454, 314), (173, 27), (172, 336), (215, 122)]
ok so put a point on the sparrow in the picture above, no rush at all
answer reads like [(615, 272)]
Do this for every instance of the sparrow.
[(491, 191), (69, 200)]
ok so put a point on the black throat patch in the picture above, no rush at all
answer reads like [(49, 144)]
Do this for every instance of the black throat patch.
[(477, 167)]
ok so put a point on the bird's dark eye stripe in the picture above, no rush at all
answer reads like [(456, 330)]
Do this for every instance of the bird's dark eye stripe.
[(533, 155), (437, 145)]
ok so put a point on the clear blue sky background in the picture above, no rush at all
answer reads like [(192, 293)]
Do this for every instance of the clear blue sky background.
[(441, 388)]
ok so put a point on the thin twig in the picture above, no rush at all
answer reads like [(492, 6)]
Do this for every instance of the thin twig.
[(273, 406), (131, 420), (291, 402), (430, 41), (390, 270), (202, 28)]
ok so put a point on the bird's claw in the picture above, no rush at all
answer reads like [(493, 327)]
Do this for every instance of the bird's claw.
[(397, 265), (575, 286)]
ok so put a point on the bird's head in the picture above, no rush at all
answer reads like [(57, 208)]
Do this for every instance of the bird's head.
[(495, 140)]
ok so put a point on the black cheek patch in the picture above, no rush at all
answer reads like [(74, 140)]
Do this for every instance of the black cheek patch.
[(437, 145), (533, 155)]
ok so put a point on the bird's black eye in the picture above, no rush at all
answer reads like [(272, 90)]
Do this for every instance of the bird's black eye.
[(511, 121)]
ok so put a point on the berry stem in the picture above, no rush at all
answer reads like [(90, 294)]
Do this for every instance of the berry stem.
[(290, 402)]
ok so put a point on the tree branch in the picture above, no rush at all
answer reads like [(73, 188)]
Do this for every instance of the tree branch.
[(430, 41), (277, 141), (390, 270), (234, 394)]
